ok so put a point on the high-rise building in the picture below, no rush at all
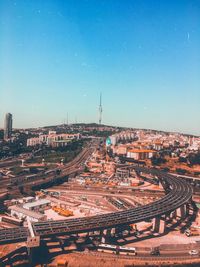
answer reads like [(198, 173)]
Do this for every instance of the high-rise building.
[(7, 126)]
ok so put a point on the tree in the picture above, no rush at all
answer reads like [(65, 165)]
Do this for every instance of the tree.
[(194, 158), (86, 169), (21, 189), (182, 159), (181, 171), (158, 161)]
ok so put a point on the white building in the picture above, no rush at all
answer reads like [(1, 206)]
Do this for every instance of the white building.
[(113, 139), (33, 141), (21, 213), (39, 205), (140, 154), (122, 136), (53, 139)]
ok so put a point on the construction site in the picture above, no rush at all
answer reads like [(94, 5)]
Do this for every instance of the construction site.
[(102, 210)]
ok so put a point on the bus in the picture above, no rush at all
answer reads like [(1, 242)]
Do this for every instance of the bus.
[(107, 248), (122, 250), (127, 250)]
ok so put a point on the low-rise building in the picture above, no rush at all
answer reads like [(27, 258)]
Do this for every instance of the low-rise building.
[(53, 139), (120, 150), (25, 214), (28, 199), (122, 136), (33, 141), (140, 154), (39, 205)]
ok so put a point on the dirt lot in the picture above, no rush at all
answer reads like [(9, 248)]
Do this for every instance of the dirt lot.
[(78, 260)]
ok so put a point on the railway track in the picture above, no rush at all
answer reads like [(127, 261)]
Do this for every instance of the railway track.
[(69, 168), (148, 257), (126, 204), (178, 193), (117, 204), (129, 191)]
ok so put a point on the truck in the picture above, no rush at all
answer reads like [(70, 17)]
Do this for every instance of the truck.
[(155, 251)]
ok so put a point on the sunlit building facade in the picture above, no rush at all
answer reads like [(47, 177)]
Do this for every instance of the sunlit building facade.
[(8, 126)]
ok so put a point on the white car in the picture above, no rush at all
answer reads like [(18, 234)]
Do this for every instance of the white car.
[(194, 252)]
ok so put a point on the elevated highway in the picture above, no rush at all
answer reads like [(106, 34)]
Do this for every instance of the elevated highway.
[(178, 195), (39, 180)]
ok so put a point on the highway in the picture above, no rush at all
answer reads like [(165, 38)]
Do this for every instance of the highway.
[(69, 168), (178, 193), (8, 163)]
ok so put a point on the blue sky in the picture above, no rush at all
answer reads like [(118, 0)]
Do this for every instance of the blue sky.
[(144, 56)]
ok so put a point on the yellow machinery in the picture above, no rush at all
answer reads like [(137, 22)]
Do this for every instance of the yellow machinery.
[(66, 213), (63, 212), (56, 209)]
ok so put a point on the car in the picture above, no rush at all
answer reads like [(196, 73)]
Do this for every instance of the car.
[(155, 252), (193, 252)]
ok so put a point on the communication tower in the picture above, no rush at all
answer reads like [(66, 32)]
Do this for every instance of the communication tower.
[(100, 110)]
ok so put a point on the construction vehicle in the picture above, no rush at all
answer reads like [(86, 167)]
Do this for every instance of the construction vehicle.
[(84, 198), (63, 212), (44, 191), (55, 194)]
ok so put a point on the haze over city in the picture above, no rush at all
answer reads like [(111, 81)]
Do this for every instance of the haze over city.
[(57, 56)]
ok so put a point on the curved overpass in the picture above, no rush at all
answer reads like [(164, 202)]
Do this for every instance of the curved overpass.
[(178, 193)]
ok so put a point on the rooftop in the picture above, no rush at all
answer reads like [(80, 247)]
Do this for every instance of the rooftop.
[(26, 212), (141, 151), (36, 203)]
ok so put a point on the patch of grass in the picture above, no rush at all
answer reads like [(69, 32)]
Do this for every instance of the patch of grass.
[(17, 170), (55, 157)]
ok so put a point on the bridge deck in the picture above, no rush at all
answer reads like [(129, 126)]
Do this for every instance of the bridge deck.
[(178, 193)]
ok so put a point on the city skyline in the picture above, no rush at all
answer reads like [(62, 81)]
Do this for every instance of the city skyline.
[(56, 57), (66, 123)]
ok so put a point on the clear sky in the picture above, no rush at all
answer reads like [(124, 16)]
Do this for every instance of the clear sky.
[(143, 55)]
